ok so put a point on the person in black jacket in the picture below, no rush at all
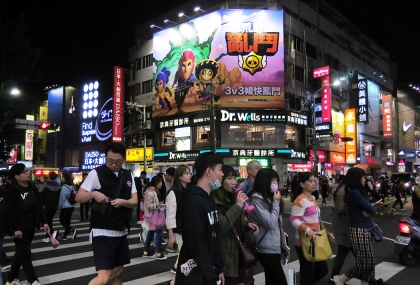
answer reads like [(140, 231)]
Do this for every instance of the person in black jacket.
[(3, 227), (200, 260), (24, 214)]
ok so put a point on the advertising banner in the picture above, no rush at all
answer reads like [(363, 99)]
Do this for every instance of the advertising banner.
[(363, 116), (351, 131), (337, 157), (137, 154), (118, 117), (321, 72), (237, 55), (387, 115), (326, 100)]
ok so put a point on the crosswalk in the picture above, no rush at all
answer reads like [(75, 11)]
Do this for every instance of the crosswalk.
[(72, 261)]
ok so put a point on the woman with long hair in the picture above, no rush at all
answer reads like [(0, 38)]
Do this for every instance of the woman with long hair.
[(151, 203), (65, 206), (182, 177), (269, 206), (231, 216), (360, 228), (305, 218)]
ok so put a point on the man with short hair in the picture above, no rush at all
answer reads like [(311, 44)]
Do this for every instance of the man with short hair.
[(252, 168), (50, 194), (168, 178), (200, 259), (113, 188)]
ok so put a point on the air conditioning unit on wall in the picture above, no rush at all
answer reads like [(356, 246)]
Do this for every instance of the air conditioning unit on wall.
[(309, 131)]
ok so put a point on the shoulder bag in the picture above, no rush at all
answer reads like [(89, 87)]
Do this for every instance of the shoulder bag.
[(156, 220), (318, 249), (377, 232), (106, 208), (246, 255)]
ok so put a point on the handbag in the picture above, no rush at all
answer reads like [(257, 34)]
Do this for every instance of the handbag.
[(377, 232), (247, 257), (53, 241), (156, 220), (289, 273), (106, 208), (318, 249)]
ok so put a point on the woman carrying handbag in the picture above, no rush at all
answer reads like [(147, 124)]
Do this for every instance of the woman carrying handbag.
[(268, 204), (151, 205), (231, 223), (305, 218)]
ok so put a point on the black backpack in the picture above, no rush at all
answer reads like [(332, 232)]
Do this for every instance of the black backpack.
[(72, 196)]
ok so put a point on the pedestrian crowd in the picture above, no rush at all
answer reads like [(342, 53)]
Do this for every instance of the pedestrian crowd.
[(221, 226)]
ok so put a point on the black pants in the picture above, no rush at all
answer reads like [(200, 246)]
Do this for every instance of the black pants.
[(273, 272), (398, 201), (339, 259), (310, 272), (23, 258), (86, 214), (50, 217), (65, 219)]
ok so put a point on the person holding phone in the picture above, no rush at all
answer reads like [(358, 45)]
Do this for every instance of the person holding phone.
[(151, 203), (266, 198)]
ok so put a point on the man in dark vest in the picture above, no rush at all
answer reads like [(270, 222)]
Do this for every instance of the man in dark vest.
[(110, 186)]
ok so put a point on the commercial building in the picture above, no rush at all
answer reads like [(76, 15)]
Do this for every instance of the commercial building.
[(263, 86)]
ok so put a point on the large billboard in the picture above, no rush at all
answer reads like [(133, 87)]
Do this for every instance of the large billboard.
[(237, 54)]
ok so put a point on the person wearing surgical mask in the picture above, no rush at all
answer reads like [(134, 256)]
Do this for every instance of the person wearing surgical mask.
[(269, 206)]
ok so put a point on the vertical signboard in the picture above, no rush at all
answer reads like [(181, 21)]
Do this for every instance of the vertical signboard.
[(351, 131), (118, 117), (387, 115), (324, 74), (29, 141), (363, 102)]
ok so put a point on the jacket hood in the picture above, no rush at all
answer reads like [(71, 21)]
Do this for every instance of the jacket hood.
[(257, 195), (52, 185)]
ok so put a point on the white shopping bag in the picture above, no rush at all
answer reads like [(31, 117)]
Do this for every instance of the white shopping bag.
[(289, 273)]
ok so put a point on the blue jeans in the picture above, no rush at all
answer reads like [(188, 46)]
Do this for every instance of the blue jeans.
[(158, 235), (1, 261)]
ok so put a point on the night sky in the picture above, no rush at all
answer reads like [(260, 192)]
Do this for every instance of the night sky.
[(87, 38)]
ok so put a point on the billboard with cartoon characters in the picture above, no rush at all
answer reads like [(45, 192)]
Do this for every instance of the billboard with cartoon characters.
[(237, 55)]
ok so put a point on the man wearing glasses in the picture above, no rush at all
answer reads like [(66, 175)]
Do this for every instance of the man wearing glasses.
[(111, 185), (24, 214)]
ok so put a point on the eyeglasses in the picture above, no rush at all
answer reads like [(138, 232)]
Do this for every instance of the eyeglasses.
[(26, 171), (116, 162)]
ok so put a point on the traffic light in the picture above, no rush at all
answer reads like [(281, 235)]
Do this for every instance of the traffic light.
[(337, 138), (44, 126)]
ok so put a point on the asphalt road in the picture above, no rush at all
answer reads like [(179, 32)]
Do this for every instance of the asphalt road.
[(72, 262)]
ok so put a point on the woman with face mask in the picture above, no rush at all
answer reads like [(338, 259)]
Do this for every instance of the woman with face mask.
[(231, 215), (269, 206)]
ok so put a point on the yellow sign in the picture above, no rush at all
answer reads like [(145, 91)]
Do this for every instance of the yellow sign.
[(351, 132), (149, 169), (137, 154)]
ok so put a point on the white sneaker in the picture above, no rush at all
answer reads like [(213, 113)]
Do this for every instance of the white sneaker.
[(46, 240), (36, 282), (392, 209), (337, 280), (403, 210)]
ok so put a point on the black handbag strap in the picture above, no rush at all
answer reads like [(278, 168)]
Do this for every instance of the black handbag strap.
[(120, 176)]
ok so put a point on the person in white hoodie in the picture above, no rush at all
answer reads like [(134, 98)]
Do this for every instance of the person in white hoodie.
[(66, 209)]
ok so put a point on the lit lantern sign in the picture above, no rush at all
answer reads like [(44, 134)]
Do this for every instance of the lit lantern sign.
[(363, 114), (351, 131), (387, 115)]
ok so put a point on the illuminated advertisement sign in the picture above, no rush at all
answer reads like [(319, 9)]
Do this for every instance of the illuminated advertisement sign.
[(137, 154), (237, 55), (265, 162), (118, 118), (387, 115), (253, 152), (363, 116), (321, 72), (351, 131), (29, 141), (337, 157), (96, 121), (92, 159), (326, 100), (321, 155)]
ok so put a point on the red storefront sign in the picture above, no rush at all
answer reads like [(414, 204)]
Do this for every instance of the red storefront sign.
[(326, 100), (118, 112), (320, 72), (387, 115), (321, 155), (301, 166)]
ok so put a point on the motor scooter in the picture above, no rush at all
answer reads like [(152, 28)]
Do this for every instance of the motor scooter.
[(407, 245)]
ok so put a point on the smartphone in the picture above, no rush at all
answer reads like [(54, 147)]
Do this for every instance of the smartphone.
[(110, 200)]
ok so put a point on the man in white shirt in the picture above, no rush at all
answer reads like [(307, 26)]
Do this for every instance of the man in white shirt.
[(115, 194)]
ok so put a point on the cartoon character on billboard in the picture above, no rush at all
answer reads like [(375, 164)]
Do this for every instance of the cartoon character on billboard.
[(184, 77), (162, 90), (205, 72)]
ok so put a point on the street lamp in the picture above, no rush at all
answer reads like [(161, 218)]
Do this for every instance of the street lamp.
[(183, 15), (198, 9), (314, 142)]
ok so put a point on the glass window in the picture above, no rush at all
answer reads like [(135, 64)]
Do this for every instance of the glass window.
[(201, 137)]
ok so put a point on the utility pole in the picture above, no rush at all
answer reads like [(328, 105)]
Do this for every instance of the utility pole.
[(144, 126)]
